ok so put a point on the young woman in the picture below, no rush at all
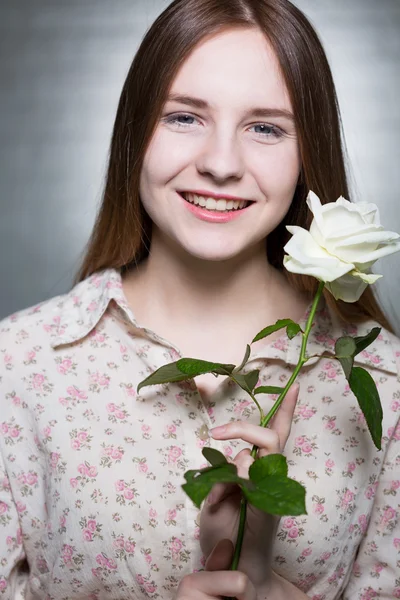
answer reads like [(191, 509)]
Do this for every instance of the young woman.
[(228, 117)]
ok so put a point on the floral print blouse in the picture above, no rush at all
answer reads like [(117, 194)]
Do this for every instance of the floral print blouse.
[(91, 504)]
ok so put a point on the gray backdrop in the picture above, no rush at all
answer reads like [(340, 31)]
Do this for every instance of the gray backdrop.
[(62, 66)]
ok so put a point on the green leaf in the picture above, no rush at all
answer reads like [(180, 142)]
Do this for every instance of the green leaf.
[(252, 378), (247, 381), (268, 389), (165, 374), (193, 367), (268, 489), (363, 387), (200, 482), (226, 470), (185, 368), (262, 468), (347, 364), (215, 457), (280, 324), (278, 496), (345, 346), (292, 330), (244, 361), (363, 342), (197, 491)]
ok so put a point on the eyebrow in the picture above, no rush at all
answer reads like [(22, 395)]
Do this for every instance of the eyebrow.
[(256, 111)]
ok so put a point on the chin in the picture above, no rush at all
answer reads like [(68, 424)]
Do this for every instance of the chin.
[(213, 254)]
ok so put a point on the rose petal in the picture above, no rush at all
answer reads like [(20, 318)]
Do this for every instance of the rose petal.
[(368, 210), (308, 258), (364, 248), (366, 277), (314, 204), (345, 232), (346, 288), (341, 218)]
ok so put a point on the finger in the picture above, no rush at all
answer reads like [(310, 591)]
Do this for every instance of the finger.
[(253, 434), (221, 491), (233, 584), (282, 421), (217, 580), (243, 461), (221, 556)]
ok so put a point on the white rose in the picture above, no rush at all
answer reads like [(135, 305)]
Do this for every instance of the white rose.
[(344, 241)]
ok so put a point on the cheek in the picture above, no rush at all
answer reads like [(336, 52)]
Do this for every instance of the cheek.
[(278, 171), (164, 159)]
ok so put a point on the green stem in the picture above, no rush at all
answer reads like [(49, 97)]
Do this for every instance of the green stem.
[(252, 396), (259, 407), (268, 417)]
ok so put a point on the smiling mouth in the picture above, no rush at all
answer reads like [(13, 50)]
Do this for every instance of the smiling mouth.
[(213, 205)]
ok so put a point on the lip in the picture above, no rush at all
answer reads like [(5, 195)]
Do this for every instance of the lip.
[(208, 194), (213, 216)]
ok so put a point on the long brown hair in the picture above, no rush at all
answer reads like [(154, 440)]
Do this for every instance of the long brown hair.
[(122, 232)]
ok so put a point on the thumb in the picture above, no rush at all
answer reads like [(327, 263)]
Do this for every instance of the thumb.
[(221, 556)]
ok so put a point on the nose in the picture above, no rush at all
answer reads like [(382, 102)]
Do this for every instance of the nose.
[(221, 157)]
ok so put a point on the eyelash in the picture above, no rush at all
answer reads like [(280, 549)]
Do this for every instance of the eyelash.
[(277, 132)]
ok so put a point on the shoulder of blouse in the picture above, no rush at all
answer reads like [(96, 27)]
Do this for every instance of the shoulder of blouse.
[(65, 318), (68, 318)]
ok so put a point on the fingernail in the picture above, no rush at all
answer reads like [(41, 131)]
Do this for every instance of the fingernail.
[(210, 498), (218, 430)]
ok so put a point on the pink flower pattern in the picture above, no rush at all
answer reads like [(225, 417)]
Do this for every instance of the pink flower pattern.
[(91, 471)]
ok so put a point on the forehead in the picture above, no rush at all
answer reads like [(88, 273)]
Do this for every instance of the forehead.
[(232, 69)]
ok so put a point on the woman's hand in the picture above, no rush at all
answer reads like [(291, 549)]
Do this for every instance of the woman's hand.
[(217, 580), (219, 517)]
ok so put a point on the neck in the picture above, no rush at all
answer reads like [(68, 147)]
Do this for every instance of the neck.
[(172, 287)]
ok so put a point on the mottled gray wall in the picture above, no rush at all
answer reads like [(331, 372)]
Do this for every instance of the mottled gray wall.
[(62, 66)]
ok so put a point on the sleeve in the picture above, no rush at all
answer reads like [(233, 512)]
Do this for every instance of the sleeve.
[(376, 570), (13, 566)]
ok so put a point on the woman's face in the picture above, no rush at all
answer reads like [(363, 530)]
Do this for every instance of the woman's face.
[(217, 143)]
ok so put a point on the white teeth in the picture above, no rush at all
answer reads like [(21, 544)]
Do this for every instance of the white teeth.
[(213, 204), (222, 204)]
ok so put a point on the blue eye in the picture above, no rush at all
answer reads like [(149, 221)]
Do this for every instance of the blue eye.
[(174, 119), (275, 131), (271, 130)]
